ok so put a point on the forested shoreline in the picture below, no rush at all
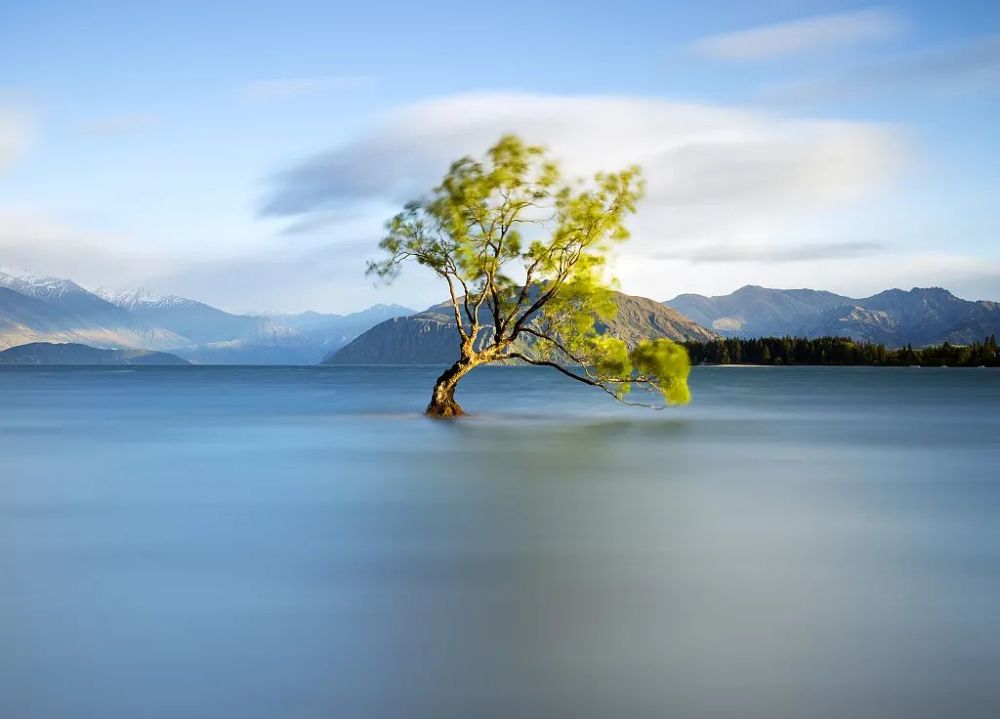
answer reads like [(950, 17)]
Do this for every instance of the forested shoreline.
[(840, 351)]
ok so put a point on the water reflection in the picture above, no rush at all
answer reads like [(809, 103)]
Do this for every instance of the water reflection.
[(288, 543)]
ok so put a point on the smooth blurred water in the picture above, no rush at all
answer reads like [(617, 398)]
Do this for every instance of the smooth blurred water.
[(299, 542)]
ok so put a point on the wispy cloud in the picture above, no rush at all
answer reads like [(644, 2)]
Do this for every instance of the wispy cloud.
[(14, 138), (50, 245), (289, 277), (780, 253), (294, 87), (800, 37), (712, 171), (720, 180), (969, 67)]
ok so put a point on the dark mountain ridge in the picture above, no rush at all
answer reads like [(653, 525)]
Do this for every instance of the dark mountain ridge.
[(920, 316)]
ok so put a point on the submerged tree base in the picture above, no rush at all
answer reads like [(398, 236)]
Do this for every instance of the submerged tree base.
[(443, 404), (444, 410)]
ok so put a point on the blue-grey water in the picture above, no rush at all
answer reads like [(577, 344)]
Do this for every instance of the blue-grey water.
[(300, 543)]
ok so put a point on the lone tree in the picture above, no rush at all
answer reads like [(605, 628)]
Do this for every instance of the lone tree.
[(523, 254)]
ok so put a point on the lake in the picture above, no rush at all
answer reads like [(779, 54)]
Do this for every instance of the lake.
[(301, 543)]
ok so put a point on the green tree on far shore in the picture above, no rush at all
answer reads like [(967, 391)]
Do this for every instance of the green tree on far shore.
[(841, 351)]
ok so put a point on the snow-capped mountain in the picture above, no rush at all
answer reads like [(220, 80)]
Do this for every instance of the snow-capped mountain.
[(52, 309), (130, 299), (37, 308), (40, 286)]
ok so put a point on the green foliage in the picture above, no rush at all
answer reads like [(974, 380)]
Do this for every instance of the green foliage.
[(524, 255), (666, 360)]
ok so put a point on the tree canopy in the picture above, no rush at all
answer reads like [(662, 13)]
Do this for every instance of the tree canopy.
[(524, 256)]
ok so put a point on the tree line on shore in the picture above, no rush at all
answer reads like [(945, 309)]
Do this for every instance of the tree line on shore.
[(840, 351)]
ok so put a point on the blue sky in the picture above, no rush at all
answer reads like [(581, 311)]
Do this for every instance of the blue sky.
[(247, 153)]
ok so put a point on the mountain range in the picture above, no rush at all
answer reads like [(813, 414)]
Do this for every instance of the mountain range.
[(430, 337), (47, 309), (920, 316), (39, 309)]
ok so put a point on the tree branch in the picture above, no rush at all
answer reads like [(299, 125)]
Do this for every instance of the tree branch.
[(553, 365), (454, 305), (559, 345)]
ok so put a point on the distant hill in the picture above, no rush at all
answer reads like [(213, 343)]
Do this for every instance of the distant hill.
[(920, 316), (430, 337), (49, 353), (35, 308), (753, 311)]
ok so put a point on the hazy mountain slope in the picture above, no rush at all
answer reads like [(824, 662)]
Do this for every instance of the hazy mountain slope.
[(753, 311), (896, 317), (331, 331), (35, 308), (195, 321), (213, 336), (430, 337), (24, 319), (52, 309), (270, 342), (48, 353)]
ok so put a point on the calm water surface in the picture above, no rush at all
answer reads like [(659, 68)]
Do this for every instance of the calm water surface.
[(182, 543)]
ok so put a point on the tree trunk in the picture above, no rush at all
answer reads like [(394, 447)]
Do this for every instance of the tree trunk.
[(443, 402)]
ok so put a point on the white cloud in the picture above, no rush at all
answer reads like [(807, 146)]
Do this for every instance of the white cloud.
[(692, 154), (49, 245), (800, 252), (799, 37), (717, 177), (287, 278), (720, 180), (14, 138), (292, 87)]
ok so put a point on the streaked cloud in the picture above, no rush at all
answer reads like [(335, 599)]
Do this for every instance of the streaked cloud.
[(692, 154), (722, 181), (294, 87), (712, 171), (286, 277), (780, 253), (965, 68), (14, 138), (50, 245), (811, 35)]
